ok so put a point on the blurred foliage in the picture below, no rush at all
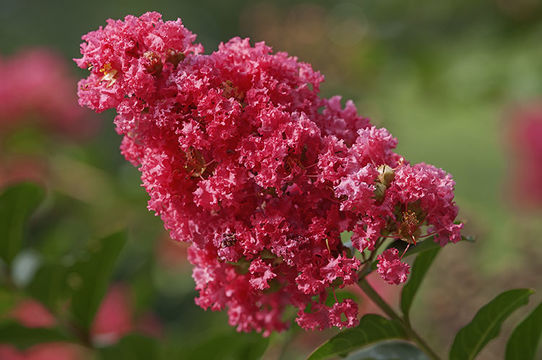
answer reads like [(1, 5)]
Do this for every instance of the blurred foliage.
[(442, 76)]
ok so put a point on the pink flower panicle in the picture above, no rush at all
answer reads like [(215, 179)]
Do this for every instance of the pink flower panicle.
[(243, 159)]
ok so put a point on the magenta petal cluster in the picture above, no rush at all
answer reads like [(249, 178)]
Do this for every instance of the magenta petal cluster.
[(391, 268), (38, 88), (242, 158), (524, 133)]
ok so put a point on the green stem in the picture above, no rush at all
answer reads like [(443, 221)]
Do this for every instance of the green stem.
[(382, 304), (366, 269)]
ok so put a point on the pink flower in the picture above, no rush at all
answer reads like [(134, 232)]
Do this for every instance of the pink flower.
[(244, 160), (317, 319), (262, 273), (17, 168), (349, 309), (49, 351), (425, 194), (37, 88), (391, 268), (32, 314), (524, 136), (114, 319), (37, 91)]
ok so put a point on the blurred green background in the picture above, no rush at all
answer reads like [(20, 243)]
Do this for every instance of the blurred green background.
[(445, 77)]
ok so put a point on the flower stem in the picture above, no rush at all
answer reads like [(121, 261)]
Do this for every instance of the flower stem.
[(383, 305)]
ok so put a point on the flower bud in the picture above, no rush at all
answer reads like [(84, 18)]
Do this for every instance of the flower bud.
[(153, 65), (174, 57), (385, 175)]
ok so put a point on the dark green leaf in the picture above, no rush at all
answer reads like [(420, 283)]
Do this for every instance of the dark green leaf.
[(23, 337), (422, 246), (142, 286), (17, 203), (389, 350), (7, 301), (89, 278), (426, 245), (486, 324), (372, 328), (133, 346), (341, 296), (229, 347), (49, 285), (419, 269), (524, 340)]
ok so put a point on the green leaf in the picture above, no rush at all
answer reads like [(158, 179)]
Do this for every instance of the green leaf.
[(22, 337), (372, 328), (142, 286), (422, 246), (486, 324), (132, 346), (419, 269), (389, 350), (524, 340), (229, 347), (346, 236), (341, 296), (7, 301), (89, 278), (17, 203), (49, 285), (426, 245)]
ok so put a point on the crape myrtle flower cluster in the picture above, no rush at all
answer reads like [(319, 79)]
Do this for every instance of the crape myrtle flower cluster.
[(243, 159)]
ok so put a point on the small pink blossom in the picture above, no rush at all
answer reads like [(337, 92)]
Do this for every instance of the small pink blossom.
[(391, 268), (32, 314), (261, 274), (37, 88), (525, 175), (349, 309), (114, 317)]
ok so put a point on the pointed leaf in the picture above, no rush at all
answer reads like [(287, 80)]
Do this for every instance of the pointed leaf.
[(486, 324), (422, 246), (389, 350), (419, 269), (525, 339), (340, 296), (90, 276), (22, 337), (17, 203), (232, 346), (132, 346), (372, 328), (8, 300), (49, 285)]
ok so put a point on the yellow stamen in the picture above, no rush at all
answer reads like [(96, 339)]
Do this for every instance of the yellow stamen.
[(109, 74)]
